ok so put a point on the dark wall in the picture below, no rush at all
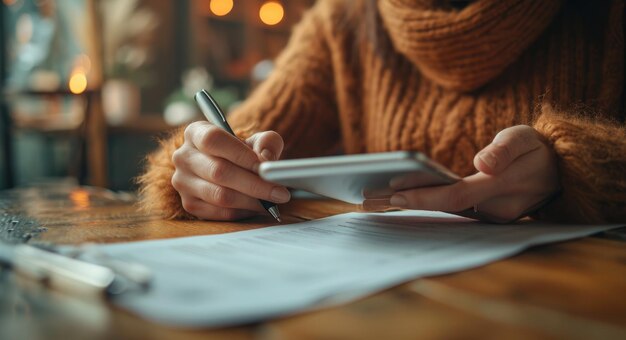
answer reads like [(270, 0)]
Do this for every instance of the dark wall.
[(5, 171), (170, 54), (127, 153)]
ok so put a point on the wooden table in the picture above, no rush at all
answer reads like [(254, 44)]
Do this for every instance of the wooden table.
[(568, 290)]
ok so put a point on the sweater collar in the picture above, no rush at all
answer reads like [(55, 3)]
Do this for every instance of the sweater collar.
[(463, 49)]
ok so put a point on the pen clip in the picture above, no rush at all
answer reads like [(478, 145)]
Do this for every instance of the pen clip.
[(214, 104), (212, 110)]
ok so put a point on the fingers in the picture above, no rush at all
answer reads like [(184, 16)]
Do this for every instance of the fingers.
[(212, 194), (216, 173), (517, 173), (508, 145), (212, 140), (268, 144), (452, 198), (223, 173), (477, 189), (501, 198), (203, 210)]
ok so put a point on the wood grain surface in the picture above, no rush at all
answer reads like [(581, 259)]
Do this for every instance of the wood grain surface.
[(570, 290)]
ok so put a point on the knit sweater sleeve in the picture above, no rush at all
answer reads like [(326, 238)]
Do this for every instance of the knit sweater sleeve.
[(297, 101), (592, 166)]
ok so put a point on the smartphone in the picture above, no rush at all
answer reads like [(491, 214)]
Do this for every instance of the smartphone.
[(353, 177)]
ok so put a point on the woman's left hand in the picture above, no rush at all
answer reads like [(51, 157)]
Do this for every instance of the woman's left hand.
[(517, 174)]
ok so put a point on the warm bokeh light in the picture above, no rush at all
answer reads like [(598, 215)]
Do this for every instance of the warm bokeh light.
[(9, 2), (78, 82), (80, 198), (271, 13), (221, 7)]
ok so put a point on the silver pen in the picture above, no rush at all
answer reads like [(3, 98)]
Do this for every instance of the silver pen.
[(74, 275), (214, 114), (58, 271)]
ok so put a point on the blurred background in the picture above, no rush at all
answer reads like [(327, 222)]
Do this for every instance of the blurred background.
[(88, 86)]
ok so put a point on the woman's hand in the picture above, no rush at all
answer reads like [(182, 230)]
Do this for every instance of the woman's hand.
[(217, 174), (517, 174)]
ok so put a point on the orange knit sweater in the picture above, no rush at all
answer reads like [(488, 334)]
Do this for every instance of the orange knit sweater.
[(444, 81)]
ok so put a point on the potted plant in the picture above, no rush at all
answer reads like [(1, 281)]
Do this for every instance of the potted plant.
[(127, 31)]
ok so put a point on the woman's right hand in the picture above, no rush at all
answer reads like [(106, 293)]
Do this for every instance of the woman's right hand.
[(217, 174)]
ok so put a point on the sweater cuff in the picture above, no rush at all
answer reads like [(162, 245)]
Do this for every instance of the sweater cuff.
[(590, 155), (157, 196)]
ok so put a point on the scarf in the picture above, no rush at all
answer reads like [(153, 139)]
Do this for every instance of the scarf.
[(463, 49)]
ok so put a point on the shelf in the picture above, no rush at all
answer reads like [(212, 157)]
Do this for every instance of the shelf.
[(144, 124), (44, 93), (47, 124), (237, 23)]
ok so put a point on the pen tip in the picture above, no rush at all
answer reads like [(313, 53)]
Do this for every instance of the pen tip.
[(274, 212)]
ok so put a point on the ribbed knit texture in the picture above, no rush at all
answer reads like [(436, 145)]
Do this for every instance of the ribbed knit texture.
[(444, 81)]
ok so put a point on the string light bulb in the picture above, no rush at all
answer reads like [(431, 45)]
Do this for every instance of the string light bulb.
[(221, 7), (271, 13), (78, 82)]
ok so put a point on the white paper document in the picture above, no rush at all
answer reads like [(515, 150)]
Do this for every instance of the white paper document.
[(249, 276)]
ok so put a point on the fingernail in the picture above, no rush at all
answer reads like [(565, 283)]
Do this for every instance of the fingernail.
[(279, 194), (398, 201), (267, 154), (488, 158), (255, 167)]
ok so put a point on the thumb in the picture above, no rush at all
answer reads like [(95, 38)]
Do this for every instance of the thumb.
[(506, 147), (268, 145)]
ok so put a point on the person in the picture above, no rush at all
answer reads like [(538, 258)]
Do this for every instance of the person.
[(524, 98)]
